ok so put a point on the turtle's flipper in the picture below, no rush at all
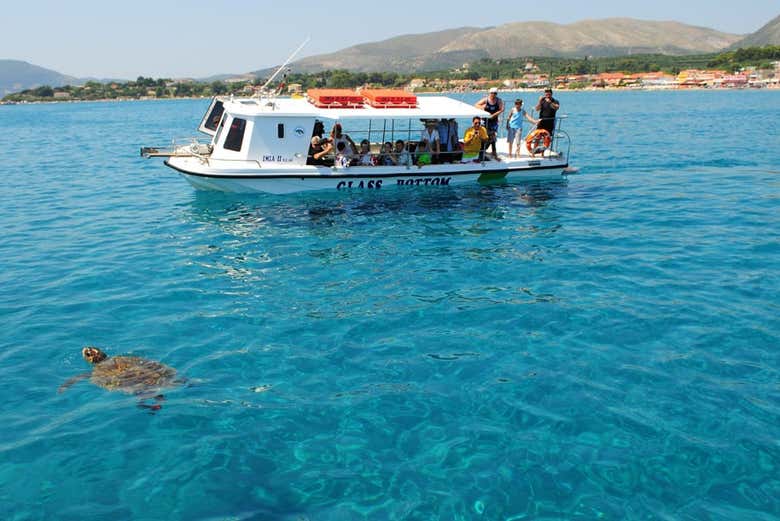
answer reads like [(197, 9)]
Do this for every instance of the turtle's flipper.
[(70, 381), (157, 398)]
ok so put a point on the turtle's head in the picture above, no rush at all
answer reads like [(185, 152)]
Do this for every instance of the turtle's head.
[(93, 355)]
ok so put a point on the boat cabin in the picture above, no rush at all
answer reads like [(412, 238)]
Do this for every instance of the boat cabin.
[(278, 131)]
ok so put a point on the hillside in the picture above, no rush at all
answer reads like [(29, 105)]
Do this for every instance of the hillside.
[(767, 35), (16, 75), (608, 37), (400, 53), (451, 48)]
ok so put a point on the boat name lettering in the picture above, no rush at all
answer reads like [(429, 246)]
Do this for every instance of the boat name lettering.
[(370, 184), (425, 181), (276, 159), (534, 163)]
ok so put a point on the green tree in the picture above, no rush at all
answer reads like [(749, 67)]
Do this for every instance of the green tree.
[(43, 92), (183, 89), (340, 80), (218, 88)]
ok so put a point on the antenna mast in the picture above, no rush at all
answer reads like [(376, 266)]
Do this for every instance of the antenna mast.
[(282, 66)]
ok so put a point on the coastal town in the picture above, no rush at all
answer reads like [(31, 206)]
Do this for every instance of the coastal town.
[(510, 75), (532, 78)]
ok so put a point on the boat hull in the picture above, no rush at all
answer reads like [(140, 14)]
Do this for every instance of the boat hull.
[(304, 179)]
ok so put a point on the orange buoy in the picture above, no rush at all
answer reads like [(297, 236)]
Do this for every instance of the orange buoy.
[(539, 137)]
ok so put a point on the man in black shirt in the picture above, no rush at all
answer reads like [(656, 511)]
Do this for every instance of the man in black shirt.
[(547, 108)]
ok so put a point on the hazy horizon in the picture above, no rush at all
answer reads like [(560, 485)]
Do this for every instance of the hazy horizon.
[(91, 39)]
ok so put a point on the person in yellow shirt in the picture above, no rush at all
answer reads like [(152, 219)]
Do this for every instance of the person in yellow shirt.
[(474, 140)]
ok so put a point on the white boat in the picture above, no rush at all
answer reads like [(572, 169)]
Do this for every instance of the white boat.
[(261, 144)]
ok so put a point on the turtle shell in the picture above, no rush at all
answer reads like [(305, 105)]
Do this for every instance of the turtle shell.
[(132, 374)]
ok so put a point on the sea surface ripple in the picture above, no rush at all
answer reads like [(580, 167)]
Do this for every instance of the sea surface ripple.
[(600, 347)]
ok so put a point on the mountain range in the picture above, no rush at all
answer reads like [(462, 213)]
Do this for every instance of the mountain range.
[(767, 35), (452, 47), (16, 75)]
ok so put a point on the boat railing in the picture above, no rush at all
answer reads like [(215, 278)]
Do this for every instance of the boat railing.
[(408, 133), (560, 135), (186, 147), (561, 139)]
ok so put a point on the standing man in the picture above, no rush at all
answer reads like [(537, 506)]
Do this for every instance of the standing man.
[(547, 108), (495, 106)]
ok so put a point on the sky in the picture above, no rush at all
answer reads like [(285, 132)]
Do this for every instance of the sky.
[(90, 38)]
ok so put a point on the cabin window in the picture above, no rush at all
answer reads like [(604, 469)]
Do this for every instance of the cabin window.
[(213, 118), (235, 134), (280, 130)]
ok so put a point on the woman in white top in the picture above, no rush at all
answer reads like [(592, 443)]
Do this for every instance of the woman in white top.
[(336, 137)]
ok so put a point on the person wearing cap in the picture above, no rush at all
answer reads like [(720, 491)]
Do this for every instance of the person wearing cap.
[(547, 108), (514, 127), (495, 106)]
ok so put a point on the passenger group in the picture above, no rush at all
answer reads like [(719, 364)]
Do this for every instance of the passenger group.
[(439, 140)]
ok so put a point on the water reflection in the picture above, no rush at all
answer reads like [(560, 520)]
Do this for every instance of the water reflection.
[(242, 214), (243, 236)]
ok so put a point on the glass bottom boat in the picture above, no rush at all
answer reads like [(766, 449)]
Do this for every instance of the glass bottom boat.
[(265, 145)]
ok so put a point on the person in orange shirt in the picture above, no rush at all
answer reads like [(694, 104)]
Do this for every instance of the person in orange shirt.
[(474, 141)]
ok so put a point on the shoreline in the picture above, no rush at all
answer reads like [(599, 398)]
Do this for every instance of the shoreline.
[(432, 92)]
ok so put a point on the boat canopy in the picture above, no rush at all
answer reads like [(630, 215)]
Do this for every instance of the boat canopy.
[(428, 107)]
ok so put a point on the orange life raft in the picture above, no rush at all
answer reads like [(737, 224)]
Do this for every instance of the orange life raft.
[(335, 98), (389, 98)]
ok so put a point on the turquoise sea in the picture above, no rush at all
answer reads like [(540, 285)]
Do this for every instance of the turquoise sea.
[(602, 347)]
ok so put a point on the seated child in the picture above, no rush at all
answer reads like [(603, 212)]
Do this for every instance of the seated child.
[(364, 154), (386, 156), (342, 156)]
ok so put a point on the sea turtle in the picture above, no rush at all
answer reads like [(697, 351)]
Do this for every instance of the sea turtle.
[(128, 374)]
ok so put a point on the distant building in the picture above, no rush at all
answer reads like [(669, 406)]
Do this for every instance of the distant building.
[(535, 80), (239, 79), (62, 95), (609, 79), (658, 80), (734, 81), (699, 78), (416, 83)]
